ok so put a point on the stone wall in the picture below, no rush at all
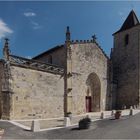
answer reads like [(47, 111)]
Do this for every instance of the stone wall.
[(36, 94), (88, 59), (126, 67), (58, 57)]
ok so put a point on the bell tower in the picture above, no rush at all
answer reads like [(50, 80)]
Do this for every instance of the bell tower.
[(125, 58)]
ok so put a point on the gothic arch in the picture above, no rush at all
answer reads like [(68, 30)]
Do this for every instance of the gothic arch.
[(93, 94)]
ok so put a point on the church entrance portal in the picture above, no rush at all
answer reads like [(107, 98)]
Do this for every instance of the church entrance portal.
[(93, 93), (88, 103)]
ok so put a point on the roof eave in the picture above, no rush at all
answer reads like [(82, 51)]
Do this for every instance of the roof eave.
[(48, 51), (124, 30)]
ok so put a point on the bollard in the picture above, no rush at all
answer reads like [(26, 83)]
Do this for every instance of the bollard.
[(135, 107), (125, 107), (67, 121), (102, 115), (131, 111), (131, 107), (35, 126), (1, 133), (112, 113)]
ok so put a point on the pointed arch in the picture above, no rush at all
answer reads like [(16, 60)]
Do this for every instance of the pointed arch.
[(94, 93)]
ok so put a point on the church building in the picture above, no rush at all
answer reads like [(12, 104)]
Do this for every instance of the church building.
[(76, 77)]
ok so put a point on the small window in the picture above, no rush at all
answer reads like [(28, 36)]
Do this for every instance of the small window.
[(126, 39), (50, 59)]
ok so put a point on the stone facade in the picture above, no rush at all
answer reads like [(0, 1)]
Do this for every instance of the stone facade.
[(89, 61), (32, 93)]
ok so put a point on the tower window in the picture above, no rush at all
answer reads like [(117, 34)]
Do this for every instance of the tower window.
[(126, 39), (50, 59)]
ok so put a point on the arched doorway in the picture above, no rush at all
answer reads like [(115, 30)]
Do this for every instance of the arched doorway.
[(93, 93)]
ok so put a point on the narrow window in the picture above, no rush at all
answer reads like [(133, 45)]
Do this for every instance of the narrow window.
[(50, 59), (126, 39)]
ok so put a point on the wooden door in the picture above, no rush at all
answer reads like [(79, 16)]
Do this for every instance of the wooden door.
[(88, 103)]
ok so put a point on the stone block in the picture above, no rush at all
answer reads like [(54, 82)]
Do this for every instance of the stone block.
[(67, 121), (35, 126)]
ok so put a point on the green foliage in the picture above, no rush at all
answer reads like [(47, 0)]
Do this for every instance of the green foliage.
[(84, 123)]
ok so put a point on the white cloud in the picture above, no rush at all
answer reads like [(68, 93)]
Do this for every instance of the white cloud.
[(36, 25), (4, 29), (29, 14)]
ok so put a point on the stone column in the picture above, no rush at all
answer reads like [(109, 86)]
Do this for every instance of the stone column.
[(6, 51), (68, 76), (7, 106)]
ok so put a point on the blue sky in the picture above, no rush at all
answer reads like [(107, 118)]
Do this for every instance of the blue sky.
[(34, 26)]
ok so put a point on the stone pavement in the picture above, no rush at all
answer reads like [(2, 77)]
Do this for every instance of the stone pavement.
[(56, 123), (128, 127)]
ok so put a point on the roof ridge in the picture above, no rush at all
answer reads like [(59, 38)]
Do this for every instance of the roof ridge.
[(48, 51), (130, 21)]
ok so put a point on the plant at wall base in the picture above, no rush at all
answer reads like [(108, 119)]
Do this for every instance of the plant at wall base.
[(84, 123), (69, 113), (118, 114)]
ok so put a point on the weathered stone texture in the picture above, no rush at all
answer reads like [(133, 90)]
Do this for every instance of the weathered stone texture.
[(36, 94), (125, 60), (1, 99), (58, 57), (1, 82), (5, 92), (87, 59)]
